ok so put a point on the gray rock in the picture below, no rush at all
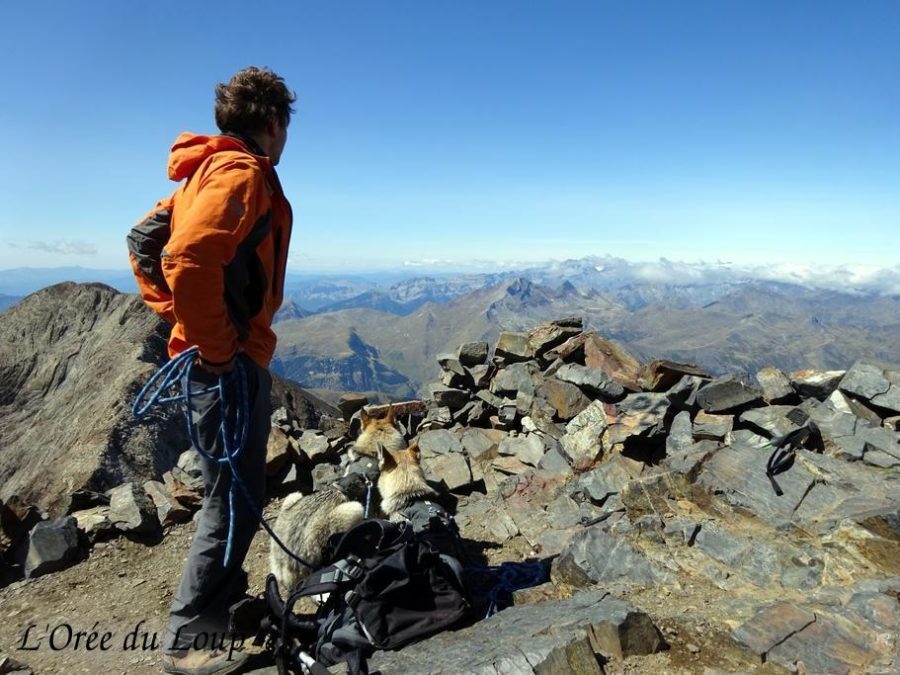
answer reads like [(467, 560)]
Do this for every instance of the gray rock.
[(278, 451), (454, 381), (650, 494), (52, 546), (775, 385), (727, 394), (448, 396), (680, 433), (890, 400), (683, 394), (640, 414), (661, 374), (438, 417), (81, 500), (554, 637), (474, 413), (546, 336), (737, 476), (595, 556), (451, 470), (771, 626), (712, 427), (481, 443), (553, 460), (748, 438), (524, 402), (314, 445), (168, 509), (542, 416), (191, 463), (528, 449), (581, 444), (508, 415), (473, 354), (94, 522), (439, 442), (770, 421), (865, 380), (522, 377), (592, 381), (480, 376), (816, 383), (512, 347), (16, 520), (131, 510), (565, 398), (608, 479), (350, 403), (451, 363), (323, 475), (828, 646), (492, 400), (848, 437)]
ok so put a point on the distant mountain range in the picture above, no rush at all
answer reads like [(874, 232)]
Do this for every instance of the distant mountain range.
[(722, 327), (380, 332)]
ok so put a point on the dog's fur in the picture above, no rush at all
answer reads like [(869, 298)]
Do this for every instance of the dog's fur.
[(401, 481), (375, 432), (306, 523)]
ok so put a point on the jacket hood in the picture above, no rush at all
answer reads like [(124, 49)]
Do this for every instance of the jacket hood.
[(191, 150)]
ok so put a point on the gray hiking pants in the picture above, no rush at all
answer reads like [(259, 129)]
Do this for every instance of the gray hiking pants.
[(198, 617)]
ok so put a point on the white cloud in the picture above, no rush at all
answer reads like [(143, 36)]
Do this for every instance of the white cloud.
[(60, 247)]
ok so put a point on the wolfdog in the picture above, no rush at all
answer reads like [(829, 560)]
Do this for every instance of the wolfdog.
[(306, 523), (401, 481), (377, 431)]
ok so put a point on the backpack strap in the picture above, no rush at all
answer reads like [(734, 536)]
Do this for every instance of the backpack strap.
[(338, 575)]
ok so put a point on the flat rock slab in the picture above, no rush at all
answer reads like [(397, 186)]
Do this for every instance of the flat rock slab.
[(593, 381), (637, 414), (727, 393), (861, 636), (595, 556), (451, 470), (771, 626), (561, 637), (775, 385), (737, 475), (438, 442)]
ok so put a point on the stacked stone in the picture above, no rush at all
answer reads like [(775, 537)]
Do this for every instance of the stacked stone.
[(562, 445)]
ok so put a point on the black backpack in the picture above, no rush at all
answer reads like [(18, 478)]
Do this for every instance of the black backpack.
[(389, 586)]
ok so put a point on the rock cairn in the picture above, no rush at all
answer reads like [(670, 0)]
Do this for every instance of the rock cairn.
[(557, 445)]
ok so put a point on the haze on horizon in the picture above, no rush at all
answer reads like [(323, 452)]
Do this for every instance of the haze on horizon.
[(432, 135)]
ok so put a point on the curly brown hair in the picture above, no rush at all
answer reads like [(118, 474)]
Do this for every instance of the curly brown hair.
[(251, 99)]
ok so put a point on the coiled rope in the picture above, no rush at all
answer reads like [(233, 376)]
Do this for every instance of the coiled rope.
[(163, 387), (508, 577)]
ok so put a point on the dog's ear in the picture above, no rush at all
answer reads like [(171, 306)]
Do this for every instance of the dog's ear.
[(386, 460), (414, 452), (391, 416), (364, 416)]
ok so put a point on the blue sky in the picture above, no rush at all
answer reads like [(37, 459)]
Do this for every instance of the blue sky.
[(461, 131)]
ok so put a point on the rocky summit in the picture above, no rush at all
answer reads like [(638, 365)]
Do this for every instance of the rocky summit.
[(686, 523)]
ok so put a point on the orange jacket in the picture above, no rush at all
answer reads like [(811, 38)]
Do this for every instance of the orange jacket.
[(225, 259)]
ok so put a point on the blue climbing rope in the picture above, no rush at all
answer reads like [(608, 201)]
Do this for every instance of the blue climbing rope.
[(508, 577), (234, 435)]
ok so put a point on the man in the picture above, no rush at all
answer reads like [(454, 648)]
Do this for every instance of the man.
[(224, 264)]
